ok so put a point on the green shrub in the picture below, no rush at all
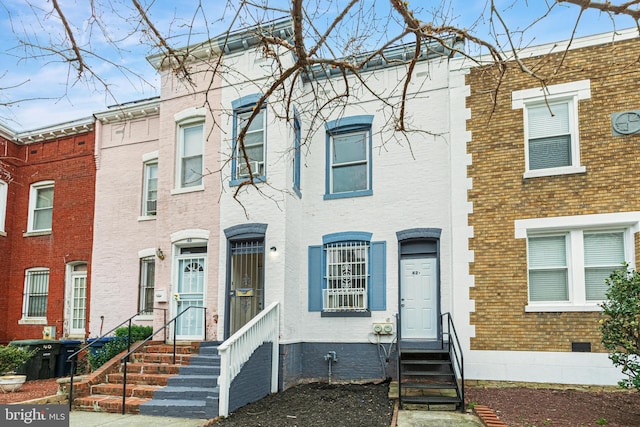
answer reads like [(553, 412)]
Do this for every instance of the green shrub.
[(620, 324), (12, 358), (118, 344)]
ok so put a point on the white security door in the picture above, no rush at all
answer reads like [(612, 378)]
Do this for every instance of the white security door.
[(190, 292), (418, 298)]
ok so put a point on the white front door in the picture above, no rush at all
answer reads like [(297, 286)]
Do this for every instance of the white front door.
[(418, 298), (190, 292)]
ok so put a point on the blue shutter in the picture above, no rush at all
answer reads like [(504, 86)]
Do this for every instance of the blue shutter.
[(315, 278), (378, 282)]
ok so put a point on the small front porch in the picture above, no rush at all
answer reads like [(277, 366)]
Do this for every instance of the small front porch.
[(430, 372)]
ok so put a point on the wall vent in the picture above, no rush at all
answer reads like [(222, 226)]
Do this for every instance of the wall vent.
[(581, 347)]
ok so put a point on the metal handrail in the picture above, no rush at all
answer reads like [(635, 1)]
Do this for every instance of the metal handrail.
[(398, 370), (455, 353), (73, 357), (125, 359)]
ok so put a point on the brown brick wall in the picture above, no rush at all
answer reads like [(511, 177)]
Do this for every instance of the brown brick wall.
[(500, 195), (69, 162)]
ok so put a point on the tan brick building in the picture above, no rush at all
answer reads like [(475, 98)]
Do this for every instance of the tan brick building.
[(555, 196)]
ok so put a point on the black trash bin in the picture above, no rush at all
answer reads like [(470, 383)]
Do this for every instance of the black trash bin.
[(67, 348), (42, 364)]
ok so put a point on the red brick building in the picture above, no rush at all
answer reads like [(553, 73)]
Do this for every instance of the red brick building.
[(46, 226)]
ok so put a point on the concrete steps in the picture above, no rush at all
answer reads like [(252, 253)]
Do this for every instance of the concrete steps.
[(194, 392), (159, 384)]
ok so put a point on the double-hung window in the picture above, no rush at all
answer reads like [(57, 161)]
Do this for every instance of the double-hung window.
[(347, 275), (569, 258), (190, 153), (150, 188), (3, 204), (147, 283), (189, 150), (349, 157), (551, 133), (249, 140), (36, 293), (551, 128), (40, 207)]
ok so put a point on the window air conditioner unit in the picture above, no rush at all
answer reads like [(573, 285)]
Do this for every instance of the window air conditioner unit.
[(243, 170), (151, 207)]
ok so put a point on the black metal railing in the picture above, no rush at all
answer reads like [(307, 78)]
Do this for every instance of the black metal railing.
[(74, 356), (399, 351), (455, 354), (125, 359)]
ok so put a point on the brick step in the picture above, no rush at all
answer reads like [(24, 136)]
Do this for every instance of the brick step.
[(113, 404), (168, 348), (164, 358), (133, 390), (140, 379), (152, 368)]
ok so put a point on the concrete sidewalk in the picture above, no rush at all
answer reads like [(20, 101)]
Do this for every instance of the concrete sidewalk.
[(93, 419), (405, 419), (436, 419)]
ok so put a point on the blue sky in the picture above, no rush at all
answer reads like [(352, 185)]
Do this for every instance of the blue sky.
[(43, 91)]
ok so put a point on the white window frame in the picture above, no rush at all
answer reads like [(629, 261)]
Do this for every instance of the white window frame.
[(4, 189), (353, 125), (258, 168), (29, 273), (185, 119), (144, 289), (569, 93), (33, 197), (146, 212), (76, 270), (574, 228), (346, 298)]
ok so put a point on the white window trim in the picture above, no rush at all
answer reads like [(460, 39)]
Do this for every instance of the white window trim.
[(145, 183), (145, 253), (566, 92), (238, 159), (27, 320), (574, 226), (185, 118), (33, 191), (4, 188), (69, 276)]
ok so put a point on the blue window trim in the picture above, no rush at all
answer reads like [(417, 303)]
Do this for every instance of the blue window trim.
[(297, 129), (376, 291), (240, 106), (345, 125), (348, 236)]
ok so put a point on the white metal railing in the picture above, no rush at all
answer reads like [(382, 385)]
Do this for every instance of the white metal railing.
[(236, 350), (344, 299)]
